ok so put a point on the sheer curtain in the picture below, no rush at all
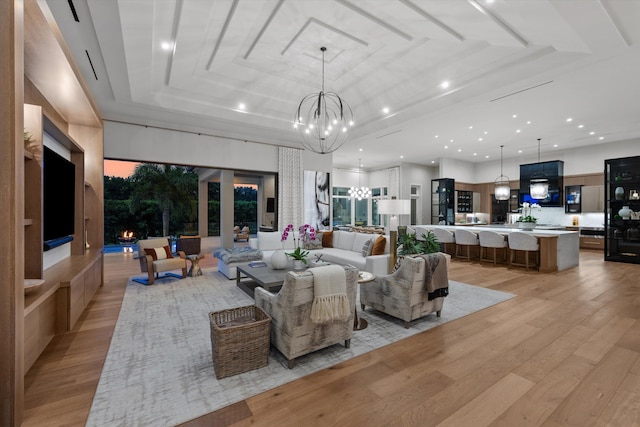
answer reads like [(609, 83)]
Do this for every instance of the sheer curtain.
[(290, 187)]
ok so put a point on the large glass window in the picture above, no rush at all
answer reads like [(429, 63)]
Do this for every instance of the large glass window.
[(362, 212), (341, 206)]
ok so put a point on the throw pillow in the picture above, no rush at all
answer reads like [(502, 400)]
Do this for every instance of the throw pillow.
[(159, 253), (379, 246), (315, 243), (327, 239), (367, 248)]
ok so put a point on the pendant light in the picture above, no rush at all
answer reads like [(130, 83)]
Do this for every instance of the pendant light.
[(323, 120), (359, 192), (502, 190), (539, 184)]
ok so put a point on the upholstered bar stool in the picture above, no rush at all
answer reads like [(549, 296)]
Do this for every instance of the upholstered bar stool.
[(525, 242), (494, 241), (465, 239), (446, 238)]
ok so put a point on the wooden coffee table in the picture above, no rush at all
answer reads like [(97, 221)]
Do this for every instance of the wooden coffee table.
[(265, 277)]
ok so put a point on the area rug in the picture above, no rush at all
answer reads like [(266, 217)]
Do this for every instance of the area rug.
[(159, 369)]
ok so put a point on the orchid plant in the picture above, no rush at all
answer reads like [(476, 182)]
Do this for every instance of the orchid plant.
[(306, 233), (526, 210)]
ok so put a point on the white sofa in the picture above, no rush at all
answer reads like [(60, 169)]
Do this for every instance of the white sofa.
[(347, 249)]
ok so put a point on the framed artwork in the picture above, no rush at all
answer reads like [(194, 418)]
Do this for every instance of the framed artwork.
[(317, 200)]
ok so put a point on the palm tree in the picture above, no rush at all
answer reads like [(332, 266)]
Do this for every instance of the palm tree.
[(174, 187)]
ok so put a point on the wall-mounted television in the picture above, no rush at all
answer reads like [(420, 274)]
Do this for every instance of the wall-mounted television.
[(59, 178)]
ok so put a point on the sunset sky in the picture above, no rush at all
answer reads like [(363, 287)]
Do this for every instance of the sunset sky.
[(124, 169), (119, 168)]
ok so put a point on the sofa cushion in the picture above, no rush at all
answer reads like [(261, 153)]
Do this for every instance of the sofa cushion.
[(340, 256), (379, 246), (327, 239), (343, 240), (315, 243), (270, 241), (359, 240), (367, 247), (159, 253)]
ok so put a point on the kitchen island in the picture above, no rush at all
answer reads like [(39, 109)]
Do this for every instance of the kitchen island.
[(559, 249)]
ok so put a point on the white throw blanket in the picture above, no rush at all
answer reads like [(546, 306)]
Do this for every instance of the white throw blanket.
[(330, 301)]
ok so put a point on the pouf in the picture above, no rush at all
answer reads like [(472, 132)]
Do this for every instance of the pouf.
[(229, 258)]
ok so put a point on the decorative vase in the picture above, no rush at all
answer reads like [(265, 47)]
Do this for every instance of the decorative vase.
[(527, 225), (298, 264), (279, 260), (619, 193), (625, 212)]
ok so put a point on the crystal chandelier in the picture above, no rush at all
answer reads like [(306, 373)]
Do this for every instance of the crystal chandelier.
[(323, 120), (502, 190), (359, 192), (539, 184)]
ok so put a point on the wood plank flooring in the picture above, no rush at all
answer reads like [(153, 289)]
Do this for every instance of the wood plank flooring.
[(565, 352)]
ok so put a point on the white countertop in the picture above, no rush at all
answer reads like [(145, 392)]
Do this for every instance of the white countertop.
[(506, 228)]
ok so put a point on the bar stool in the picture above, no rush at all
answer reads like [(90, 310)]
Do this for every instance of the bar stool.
[(519, 241), (466, 239), (492, 240), (445, 238)]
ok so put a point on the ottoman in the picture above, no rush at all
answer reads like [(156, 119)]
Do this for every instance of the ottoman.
[(229, 258)]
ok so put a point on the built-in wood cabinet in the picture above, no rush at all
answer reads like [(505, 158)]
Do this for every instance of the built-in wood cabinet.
[(593, 198)]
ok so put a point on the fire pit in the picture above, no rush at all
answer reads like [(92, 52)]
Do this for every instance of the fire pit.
[(127, 238)]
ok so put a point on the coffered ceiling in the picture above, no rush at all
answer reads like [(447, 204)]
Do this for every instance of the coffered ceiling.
[(190, 64)]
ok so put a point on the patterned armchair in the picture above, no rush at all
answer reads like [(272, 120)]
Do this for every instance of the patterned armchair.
[(403, 294), (292, 331), (154, 264)]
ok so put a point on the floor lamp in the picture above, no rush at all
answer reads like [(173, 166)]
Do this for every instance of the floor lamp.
[(394, 208)]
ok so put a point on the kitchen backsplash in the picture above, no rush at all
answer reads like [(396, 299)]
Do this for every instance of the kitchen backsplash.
[(557, 216)]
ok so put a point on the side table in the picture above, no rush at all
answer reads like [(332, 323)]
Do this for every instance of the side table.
[(195, 269), (360, 324)]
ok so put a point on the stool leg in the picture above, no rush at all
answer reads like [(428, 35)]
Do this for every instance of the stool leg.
[(526, 260)]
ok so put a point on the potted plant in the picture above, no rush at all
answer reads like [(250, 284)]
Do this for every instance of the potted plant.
[(526, 220), (305, 233), (408, 244)]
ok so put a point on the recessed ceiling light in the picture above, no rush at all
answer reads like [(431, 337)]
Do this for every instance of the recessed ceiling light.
[(486, 157), (486, 133), (436, 136), (569, 119), (446, 146), (166, 45), (360, 149), (444, 84), (580, 126), (555, 145), (528, 122), (470, 127), (433, 161), (451, 140), (475, 154), (459, 150), (602, 137), (592, 133), (402, 157), (385, 110), (479, 139), (519, 151), (517, 130), (514, 116), (241, 106)]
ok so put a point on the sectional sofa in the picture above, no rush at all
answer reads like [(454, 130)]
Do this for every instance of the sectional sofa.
[(340, 247)]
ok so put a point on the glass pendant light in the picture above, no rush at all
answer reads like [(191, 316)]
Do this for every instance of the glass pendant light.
[(502, 190), (539, 183), (359, 192)]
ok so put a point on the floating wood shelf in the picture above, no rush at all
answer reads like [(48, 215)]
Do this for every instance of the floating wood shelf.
[(27, 221)]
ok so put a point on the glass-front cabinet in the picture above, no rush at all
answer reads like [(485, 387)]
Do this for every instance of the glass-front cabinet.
[(622, 210), (442, 201)]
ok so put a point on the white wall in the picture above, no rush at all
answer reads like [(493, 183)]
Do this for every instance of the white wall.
[(457, 169)]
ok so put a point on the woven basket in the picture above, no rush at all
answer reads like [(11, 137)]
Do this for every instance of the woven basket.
[(239, 340)]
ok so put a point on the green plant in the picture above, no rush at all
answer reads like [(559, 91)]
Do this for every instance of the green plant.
[(526, 212), (27, 136), (408, 244), (299, 254)]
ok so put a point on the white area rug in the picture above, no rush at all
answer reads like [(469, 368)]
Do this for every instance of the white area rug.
[(159, 370)]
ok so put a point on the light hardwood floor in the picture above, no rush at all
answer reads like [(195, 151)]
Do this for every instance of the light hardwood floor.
[(565, 351)]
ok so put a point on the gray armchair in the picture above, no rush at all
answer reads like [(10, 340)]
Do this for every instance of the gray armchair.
[(292, 331), (404, 293)]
